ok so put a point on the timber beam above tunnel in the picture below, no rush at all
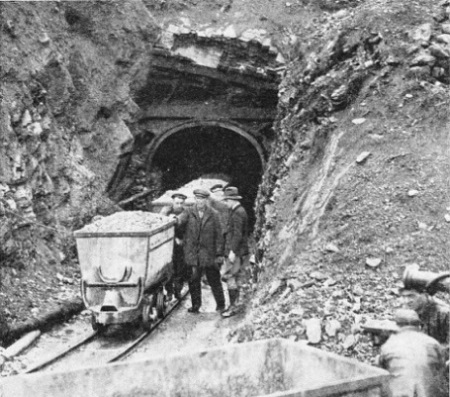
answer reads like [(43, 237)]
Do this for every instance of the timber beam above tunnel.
[(207, 112), (163, 62)]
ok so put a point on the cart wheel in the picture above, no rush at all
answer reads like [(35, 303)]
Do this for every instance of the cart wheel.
[(146, 316), (161, 304), (100, 328)]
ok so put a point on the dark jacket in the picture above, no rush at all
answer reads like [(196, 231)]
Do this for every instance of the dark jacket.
[(179, 228), (237, 232), (224, 212), (203, 237)]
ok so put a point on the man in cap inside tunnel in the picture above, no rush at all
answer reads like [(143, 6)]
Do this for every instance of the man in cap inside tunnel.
[(414, 359), (203, 249), (236, 248)]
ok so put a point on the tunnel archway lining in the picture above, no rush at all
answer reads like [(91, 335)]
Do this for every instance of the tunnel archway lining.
[(193, 124)]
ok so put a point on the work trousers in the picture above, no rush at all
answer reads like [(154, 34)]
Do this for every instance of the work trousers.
[(175, 284), (234, 273), (195, 287)]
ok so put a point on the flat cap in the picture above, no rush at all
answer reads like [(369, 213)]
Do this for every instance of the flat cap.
[(216, 187), (232, 193), (180, 195), (201, 193), (406, 317)]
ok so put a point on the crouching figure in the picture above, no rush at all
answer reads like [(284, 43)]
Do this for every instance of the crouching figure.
[(414, 359)]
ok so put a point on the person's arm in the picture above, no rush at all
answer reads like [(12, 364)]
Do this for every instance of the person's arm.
[(237, 226), (182, 220), (218, 236), (166, 210)]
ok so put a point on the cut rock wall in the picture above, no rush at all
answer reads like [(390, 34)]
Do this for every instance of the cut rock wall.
[(67, 69)]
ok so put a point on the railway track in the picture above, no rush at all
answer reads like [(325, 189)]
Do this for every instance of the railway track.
[(103, 352)]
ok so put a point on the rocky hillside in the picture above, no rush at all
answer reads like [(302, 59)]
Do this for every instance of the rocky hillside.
[(358, 181), (67, 70)]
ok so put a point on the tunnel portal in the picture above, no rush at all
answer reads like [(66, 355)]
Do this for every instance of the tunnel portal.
[(208, 150), (206, 107)]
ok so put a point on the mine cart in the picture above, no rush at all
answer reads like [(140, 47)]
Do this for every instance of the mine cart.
[(125, 260)]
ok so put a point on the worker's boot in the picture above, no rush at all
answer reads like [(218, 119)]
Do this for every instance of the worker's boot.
[(232, 309), (178, 286)]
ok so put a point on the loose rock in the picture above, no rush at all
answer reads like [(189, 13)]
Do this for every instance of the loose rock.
[(349, 342), (318, 276), (313, 330), (362, 157), (332, 326), (44, 39), (439, 51), (331, 247), (298, 311), (358, 121), (274, 287), (26, 118), (423, 33), (419, 71), (330, 282), (294, 284), (373, 262), (357, 290), (423, 59)]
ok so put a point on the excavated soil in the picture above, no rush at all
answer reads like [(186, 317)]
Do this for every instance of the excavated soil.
[(126, 221)]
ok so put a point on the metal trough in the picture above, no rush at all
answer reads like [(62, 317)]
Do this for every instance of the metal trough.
[(275, 368)]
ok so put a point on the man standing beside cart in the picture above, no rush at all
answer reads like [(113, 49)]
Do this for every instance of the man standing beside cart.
[(175, 285), (203, 249), (236, 248), (216, 201)]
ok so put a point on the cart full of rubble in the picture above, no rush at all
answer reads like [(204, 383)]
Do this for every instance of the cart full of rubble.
[(125, 261)]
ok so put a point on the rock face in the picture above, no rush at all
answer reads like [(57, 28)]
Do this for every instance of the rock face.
[(355, 93), (66, 114)]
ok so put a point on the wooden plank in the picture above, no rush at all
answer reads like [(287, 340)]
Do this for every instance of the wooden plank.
[(135, 197), (227, 76)]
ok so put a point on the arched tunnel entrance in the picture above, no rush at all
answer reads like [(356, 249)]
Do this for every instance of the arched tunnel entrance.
[(194, 151)]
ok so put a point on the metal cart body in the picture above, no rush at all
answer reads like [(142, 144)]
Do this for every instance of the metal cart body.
[(121, 270)]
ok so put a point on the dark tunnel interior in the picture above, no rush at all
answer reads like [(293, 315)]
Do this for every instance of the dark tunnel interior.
[(200, 151)]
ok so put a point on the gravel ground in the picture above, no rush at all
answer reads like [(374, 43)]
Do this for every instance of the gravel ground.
[(182, 332)]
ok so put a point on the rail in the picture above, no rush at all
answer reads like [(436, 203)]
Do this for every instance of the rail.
[(116, 357)]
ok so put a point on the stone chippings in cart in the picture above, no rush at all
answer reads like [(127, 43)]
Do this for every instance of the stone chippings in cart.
[(126, 221)]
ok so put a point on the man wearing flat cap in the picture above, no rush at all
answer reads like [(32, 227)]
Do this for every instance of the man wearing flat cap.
[(236, 248), (175, 284), (203, 250), (414, 359), (217, 202)]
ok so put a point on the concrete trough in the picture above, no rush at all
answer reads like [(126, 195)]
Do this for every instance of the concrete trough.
[(274, 367)]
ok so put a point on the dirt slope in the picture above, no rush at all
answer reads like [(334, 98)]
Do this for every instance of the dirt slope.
[(358, 181)]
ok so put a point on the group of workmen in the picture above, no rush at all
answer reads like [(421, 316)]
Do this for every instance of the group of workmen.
[(211, 240)]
